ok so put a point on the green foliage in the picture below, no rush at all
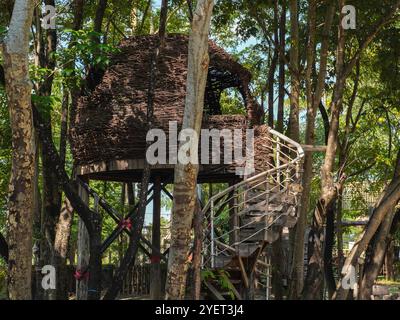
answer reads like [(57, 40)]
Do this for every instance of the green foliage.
[(3, 282), (86, 50), (45, 104), (222, 277), (3, 32)]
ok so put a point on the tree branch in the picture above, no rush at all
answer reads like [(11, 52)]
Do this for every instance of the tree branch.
[(69, 187), (385, 20), (325, 119)]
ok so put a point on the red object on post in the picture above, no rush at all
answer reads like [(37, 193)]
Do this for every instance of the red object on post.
[(81, 275), (155, 259), (125, 224)]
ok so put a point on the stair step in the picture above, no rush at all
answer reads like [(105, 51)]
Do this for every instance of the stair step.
[(274, 198), (247, 249), (262, 208), (253, 219), (250, 235), (222, 261), (272, 234)]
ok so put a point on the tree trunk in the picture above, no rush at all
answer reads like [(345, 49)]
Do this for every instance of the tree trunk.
[(277, 269), (130, 256), (83, 251), (313, 97), (294, 126), (63, 233), (63, 227), (330, 283), (272, 69), (389, 199), (375, 258), (389, 261), (185, 180), (281, 91), (51, 203), (90, 218), (95, 73), (315, 269), (21, 202)]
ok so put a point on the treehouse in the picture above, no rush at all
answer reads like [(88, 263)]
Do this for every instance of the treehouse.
[(108, 140)]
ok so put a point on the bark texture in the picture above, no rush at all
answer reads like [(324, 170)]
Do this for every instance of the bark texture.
[(185, 180), (21, 191), (314, 94)]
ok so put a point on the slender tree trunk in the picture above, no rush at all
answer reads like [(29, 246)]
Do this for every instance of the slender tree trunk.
[(375, 258), (329, 190), (155, 286), (130, 256), (314, 278), (313, 95), (272, 69), (184, 202), (389, 261), (65, 219), (21, 202), (339, 229), (281, 91), (95, 73), (46, 42), (63, 233), (380, 217), (277, 269), (294, 126), (91, 219), (83, 248), (330, 283), (64, 125)]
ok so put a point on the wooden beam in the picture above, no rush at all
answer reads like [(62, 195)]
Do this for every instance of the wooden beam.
[(83, 248), (234, 290), (244, 273), (164, 189), (214, 291), (311, 148), (155, 272), (354, 223)]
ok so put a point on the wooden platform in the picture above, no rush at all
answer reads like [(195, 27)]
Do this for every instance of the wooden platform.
[(131, 171)]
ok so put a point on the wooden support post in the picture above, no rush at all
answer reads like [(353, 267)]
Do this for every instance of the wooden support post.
[(198, 226), (243, 272), (155, 279), (83, 249), (232, 216)]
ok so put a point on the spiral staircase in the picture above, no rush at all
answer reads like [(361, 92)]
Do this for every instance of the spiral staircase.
[(243, 219)]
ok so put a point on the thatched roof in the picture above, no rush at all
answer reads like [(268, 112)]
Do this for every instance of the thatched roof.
[(111, 124)]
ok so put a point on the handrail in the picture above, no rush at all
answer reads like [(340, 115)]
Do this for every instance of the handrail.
[(285, 170), (262, 174)]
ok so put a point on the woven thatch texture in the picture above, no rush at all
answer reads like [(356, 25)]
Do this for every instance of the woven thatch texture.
[(111, 122)]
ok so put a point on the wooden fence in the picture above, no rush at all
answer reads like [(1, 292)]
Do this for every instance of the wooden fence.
[(137, 281)]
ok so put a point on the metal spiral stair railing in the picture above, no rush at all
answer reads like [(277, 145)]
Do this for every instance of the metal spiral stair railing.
[(243, 217)]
